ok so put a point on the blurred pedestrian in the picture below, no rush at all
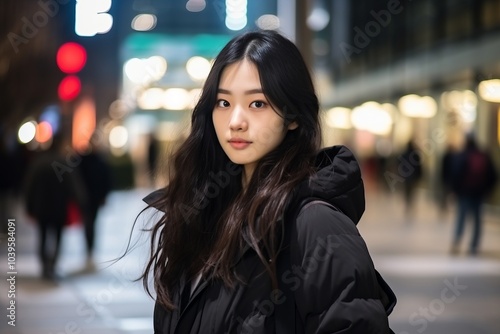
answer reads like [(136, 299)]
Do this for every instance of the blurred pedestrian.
[(96, 176), (474, 177), (252, 198), (411, 163), (50, 185)]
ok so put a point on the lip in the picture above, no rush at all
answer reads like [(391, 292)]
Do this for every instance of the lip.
[(239, 143)]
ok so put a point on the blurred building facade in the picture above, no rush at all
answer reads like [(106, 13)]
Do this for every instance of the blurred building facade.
[(428, 70)]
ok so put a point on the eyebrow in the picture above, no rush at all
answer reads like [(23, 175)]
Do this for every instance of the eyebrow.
[(247, 92)]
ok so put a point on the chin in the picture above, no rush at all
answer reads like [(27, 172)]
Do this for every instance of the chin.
[(238, 160)]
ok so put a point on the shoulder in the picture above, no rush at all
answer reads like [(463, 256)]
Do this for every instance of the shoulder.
[(321, 219), (318, 225)]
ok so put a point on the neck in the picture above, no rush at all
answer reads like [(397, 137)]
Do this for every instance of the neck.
[(246, 176)]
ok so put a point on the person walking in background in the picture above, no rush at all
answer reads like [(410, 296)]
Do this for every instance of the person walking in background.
[(412, 161), (473, 178), (49, 187), (96, 176)]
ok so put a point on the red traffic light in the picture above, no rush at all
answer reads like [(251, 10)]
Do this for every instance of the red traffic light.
[(71, 57), (69, 88)]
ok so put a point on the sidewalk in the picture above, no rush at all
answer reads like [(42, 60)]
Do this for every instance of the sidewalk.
[(437, 293), (410, 253), (105, 301)]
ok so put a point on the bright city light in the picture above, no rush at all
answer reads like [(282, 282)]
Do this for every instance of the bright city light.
[(196, 5), (198, 68), (118, 137), (339, 118), (151, 99), (417, 106), (91, 17), (52, 115), (489, 90), (144, 71), (69, 88), (43, 132), (27, 132), (268, 22), (372, 117), (71, 57), (236, 14), (318, 19), (464, 102), (176, 99), (144, 22)]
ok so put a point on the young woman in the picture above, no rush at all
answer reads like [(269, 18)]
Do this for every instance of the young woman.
[(237, 250)]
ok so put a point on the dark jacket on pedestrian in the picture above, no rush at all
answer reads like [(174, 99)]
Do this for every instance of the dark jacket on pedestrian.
[(49, 186), (330, 273), (473, 172), (96, 176)]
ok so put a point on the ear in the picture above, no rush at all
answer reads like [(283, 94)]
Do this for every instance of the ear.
[(293, 126)]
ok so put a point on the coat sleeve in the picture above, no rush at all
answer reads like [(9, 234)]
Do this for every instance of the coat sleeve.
[(333, 277)]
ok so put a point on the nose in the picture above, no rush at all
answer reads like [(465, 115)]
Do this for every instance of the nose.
[(238, 120)]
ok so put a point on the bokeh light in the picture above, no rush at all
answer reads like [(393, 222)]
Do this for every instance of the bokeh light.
[(489, 90), (71, 57), (69, 88), (118, 136), (196, 5), (144, 22), (198, 68), (176, 99), (27, 132), (43, 132), (144, 71), (268, 22), (339, 117), (413, 105)]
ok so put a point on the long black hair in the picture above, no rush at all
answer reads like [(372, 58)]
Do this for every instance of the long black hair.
[(207, 214)]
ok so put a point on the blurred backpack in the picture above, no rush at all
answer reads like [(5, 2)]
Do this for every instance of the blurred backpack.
[(479, 174)]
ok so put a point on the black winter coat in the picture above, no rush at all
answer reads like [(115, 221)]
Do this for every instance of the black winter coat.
[(331, 275)]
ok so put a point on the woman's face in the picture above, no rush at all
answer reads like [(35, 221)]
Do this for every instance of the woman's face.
[(246, 125)]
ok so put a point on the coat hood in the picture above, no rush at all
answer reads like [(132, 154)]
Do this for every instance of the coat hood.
[(337, 181)]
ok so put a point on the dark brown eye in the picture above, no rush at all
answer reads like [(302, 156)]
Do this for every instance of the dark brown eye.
[(222, 104), (258, 104)]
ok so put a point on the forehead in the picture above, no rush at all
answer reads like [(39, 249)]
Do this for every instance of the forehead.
[(243, 73)]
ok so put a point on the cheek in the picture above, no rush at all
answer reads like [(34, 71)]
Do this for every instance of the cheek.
[(216, 120), (272, 132), (219, 126)]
